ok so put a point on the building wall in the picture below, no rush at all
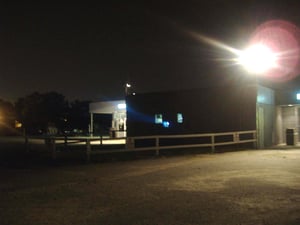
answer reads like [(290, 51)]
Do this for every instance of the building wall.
[(265, 116), (221, 109), (267, 134)]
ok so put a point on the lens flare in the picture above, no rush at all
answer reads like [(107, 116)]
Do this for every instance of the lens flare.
[(282, 39), (273, 50)]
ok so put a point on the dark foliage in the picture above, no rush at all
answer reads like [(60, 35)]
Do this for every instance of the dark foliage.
[(78, 117), (38, 112), (7, 117)]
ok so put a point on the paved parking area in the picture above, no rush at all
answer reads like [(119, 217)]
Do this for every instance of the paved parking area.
[(247, 187)]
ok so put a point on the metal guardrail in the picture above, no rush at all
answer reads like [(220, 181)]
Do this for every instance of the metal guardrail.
[(234, 138), (54, 141)]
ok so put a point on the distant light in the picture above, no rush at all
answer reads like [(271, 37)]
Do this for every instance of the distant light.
[(122, 106), (166, 124), (290, 105), (18, 124), (298, 96), (128, 85), (133, 93), (258, 59)]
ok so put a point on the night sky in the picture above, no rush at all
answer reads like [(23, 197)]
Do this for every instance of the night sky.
[(89, 51)]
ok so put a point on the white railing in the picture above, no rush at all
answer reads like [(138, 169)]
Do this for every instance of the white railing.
[(52, 142), (234, 138), (214, 139)]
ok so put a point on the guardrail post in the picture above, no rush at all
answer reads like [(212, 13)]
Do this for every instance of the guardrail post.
[(66, 141), (26, 143), (130, 143), (157, 146), (212, 143), (236, 138), (53, 146), (88, 150), (255, 144)]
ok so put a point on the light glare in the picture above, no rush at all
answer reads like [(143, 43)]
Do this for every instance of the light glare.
[(257, 59), (274, 51)]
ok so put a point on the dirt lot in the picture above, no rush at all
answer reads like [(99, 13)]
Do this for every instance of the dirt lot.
[(246, 187)]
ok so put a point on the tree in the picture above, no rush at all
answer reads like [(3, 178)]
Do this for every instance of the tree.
[(37, 111), (78, 117), (7, 117)]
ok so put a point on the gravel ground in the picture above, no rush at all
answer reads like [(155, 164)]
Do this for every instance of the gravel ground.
[(246, 187)]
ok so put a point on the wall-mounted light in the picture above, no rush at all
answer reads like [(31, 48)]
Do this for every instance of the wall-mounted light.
[(121, 106)]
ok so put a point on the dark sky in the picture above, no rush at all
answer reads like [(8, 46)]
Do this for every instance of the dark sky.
[(89, 51)]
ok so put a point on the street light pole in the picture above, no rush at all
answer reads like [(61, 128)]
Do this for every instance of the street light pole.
[(127, 88)]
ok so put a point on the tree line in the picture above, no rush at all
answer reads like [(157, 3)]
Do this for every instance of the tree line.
[(37, 112)]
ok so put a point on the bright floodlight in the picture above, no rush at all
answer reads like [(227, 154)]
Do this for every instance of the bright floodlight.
[(257, 59)]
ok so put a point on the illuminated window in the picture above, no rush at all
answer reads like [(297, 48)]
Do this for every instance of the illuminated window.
[(158, 118), (179, 118)]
